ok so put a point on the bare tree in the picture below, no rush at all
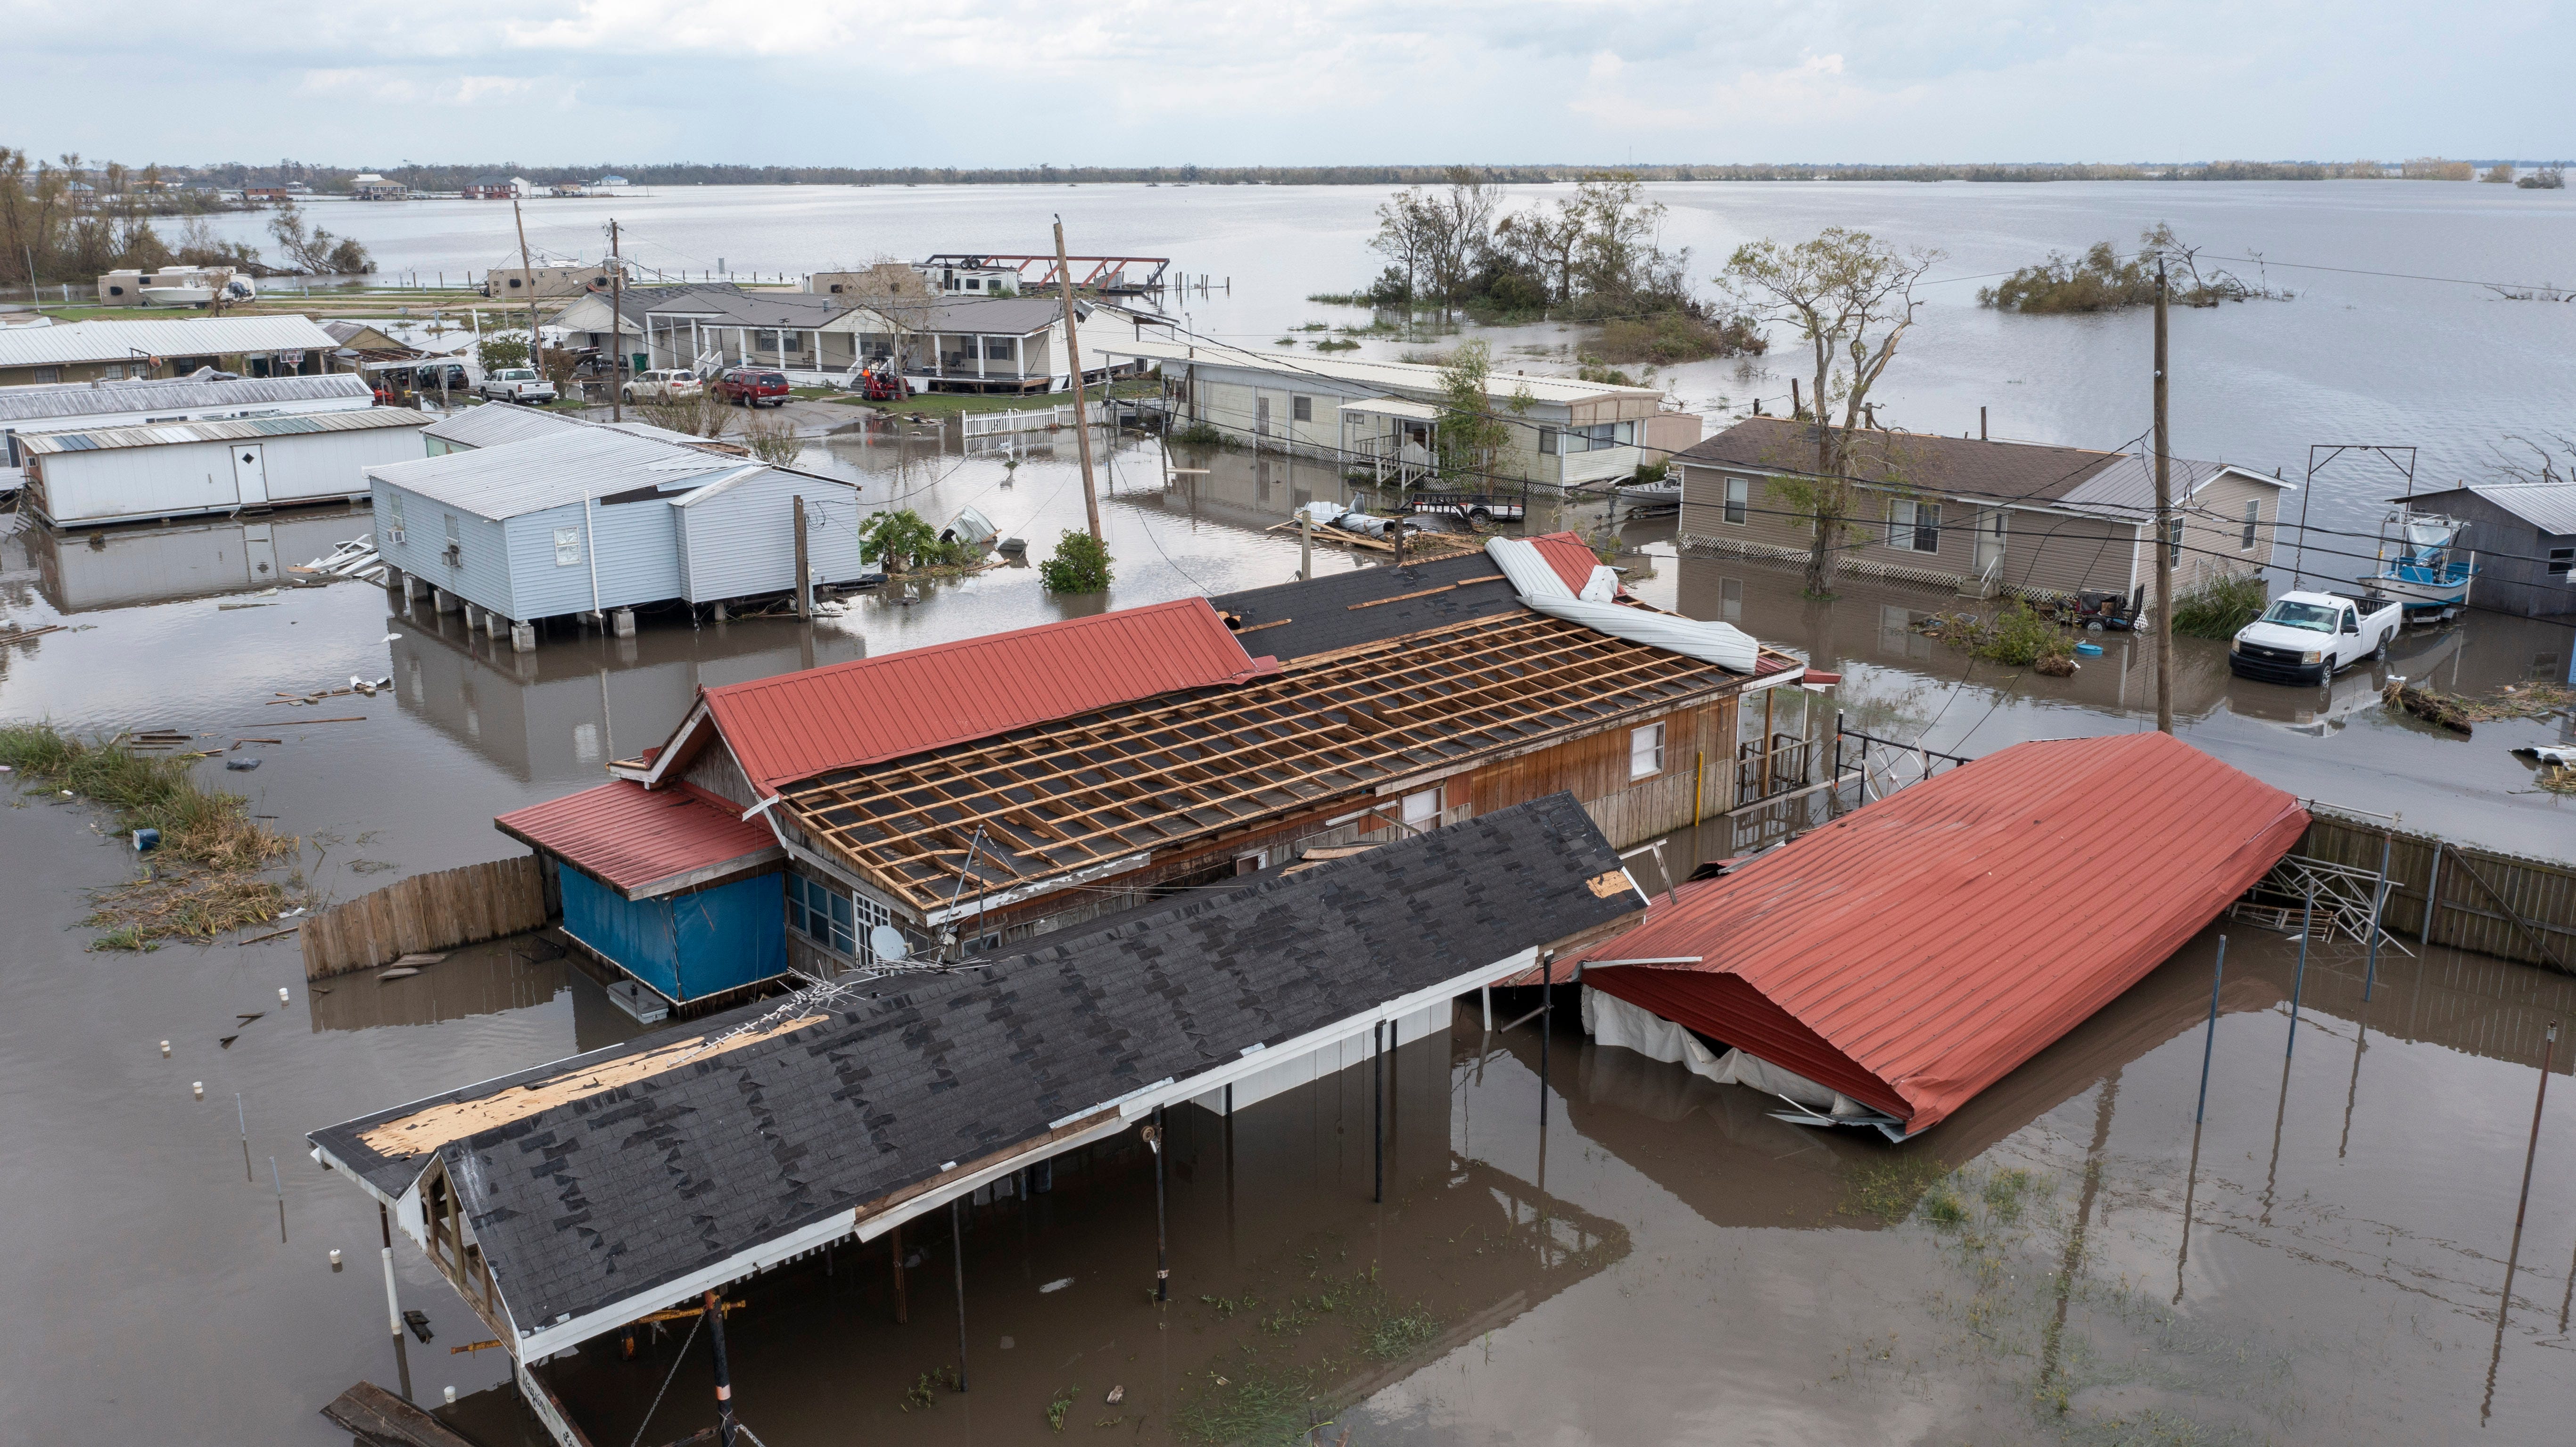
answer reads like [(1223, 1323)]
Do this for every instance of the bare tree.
[(894, 291), (2541, 466), (1402, 224), (1459, 230), (1851, 297)]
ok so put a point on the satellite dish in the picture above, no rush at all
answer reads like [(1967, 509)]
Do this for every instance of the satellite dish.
[(888, 944)]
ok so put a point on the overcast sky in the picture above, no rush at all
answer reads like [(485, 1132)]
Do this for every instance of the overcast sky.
[(1224, 82)]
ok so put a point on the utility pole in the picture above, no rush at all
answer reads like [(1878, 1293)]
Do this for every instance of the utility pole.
[(617, 343), (527, 276), (2164, 527), (1073, 357)]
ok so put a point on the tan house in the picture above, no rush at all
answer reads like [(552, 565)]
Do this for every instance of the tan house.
[(1983, 517)]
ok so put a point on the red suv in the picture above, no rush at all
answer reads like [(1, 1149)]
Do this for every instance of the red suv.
[(752, 386)]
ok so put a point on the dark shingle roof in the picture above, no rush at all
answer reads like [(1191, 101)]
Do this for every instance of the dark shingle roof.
[(1959, 466), (1291, 620), (603, 1199)]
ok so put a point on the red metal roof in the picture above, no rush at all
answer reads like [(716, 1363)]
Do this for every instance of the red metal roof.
[(797, 725), (635, 838), (1914, 952), (1572, 558)]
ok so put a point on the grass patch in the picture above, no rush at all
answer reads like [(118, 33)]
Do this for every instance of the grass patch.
[(1200, 434), (1254, 1405), (203, 880), (2222, 609), (1890, 1189), (1676, 336), (2004, 1192), (1392, 1336), (1337, 344)]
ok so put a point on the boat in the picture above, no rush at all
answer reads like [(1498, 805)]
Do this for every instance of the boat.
[(2420, 561)]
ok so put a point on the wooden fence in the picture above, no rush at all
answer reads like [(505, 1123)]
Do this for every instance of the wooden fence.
[(426, 912), (2474, 902)]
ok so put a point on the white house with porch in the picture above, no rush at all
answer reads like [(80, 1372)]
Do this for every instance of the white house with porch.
[(1383, 418)]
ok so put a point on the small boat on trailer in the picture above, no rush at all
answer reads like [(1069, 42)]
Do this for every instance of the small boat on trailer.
[(2421, 564)]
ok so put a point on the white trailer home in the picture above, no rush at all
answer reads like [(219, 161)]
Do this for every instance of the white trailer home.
[(183, 469)]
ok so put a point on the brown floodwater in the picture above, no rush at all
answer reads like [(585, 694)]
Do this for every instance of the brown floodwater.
[(1623, 1253)]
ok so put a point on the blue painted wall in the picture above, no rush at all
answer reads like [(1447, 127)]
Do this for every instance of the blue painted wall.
[(687, 946)]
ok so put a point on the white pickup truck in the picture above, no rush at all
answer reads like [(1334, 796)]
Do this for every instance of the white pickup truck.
[(2309, 637), (516, 384)]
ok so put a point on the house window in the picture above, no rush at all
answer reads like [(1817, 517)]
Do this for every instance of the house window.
[(1739, 500), (1302, 408), (973, 285), (1645, 752), (998, 349), (837, 921), (1730, 599), (1547, 442), (2562, 561), (49, 374), (2253, 517), (567, 547), (394, 518), (2173, 544), (1422, 809), (1914, 527)]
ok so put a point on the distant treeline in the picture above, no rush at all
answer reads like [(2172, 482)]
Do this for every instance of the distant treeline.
[(452, 178)]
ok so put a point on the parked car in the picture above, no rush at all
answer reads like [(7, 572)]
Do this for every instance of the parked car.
[(664, 385), (516, 384), (752, 386), (2310, 637)]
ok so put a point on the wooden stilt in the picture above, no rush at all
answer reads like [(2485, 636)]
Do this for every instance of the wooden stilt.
[(1162, 1219), (724, 1377), (902, 1302), (1377, 1109), (957, 1249)]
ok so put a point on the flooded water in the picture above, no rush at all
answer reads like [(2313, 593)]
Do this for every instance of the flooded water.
[(1618, 1253), (2447, 368)]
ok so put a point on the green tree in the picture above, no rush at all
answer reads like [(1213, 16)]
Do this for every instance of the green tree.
[(496, 350), (1850, 296), (1080, 565), (898, 540), (1471, 435)]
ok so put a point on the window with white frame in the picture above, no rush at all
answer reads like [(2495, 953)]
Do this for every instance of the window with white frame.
[(1645, 752), (1000, 349), (1301, 408), (822, 914), (1739, 500), (1422, 809), (2173, 544), (567, 547), (1914, 527), (2253, 520)]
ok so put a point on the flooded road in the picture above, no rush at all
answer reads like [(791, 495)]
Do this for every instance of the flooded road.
[(1623, 1253)]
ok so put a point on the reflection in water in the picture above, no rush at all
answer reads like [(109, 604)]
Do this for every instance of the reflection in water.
[(123, 566)]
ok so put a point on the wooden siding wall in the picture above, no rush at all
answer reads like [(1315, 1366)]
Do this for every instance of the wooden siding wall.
[(426, 912), (2466, 915)]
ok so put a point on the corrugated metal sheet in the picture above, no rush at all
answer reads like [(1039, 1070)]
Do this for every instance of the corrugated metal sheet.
[(2127, 488), (634, 838), (1572, 559), (1917, 950), (1377, 376), (545, 472), (247, 429), (71, 401), (119, 341), (2548, 506), (851, 714), (737, 538), (495, 423)]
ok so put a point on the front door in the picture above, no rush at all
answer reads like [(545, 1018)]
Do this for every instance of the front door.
[(1990, 541), (1261, 414), (260, 553), (250, 473)]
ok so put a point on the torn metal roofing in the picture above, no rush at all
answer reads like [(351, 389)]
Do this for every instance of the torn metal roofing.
[(642, 842), (1038, 808), (607, 1185), (495, 423), (244, 429), (1918, 949), (849, 715)]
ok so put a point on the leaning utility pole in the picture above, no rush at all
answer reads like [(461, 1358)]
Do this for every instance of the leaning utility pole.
[(527, 278), (1073, 358), (617, 345), (2164, 528)]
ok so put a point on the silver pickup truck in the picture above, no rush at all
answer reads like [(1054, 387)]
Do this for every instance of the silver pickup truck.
[(2310, 637), (516, 384)]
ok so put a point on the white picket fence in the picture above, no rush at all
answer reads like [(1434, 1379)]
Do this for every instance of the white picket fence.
[(1033, 419)]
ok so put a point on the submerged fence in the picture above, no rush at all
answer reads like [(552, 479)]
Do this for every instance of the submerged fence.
[(426, 912), (2511, 906)]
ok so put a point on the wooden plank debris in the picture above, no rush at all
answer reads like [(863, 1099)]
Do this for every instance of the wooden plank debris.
[(380, 1419)]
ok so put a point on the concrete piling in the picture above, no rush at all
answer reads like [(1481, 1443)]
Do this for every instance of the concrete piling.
[(622, 622), (523, 638), (443, 601)]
